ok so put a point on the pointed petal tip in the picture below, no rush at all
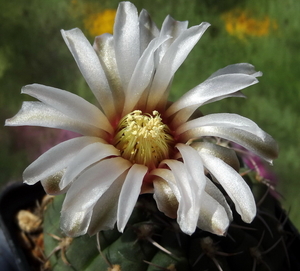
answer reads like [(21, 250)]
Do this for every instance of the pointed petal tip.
[(120, 228), (248, 215), (7, 122), (126, 6), (25, 89), (220, 226), (220, 231), (27, 179), (271, 148), (201, 27), (64, 33), (73, 225), (248, 219), (259, 74), (187, 231), (28, 182), (206, 24)]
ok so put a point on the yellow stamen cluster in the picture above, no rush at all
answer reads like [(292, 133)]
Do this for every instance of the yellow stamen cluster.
[(143, 139)]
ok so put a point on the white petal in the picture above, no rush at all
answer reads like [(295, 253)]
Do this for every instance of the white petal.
[(188, 212), (212, 190), (51, 183), (148, 29), (213, 217), (168, 176), (142, 75), (104, 47), (105, 210), (69, 104), (85, 191), (173, 58), (90, 67), (74, 224), (129, 194), (56, 159), (172, 28), (234, 185), (127, 40), (191, 182), (244, 68), (223, 120), (92, 183), (226, 154), (266, 148), (40, 114), (165, 197), (193, 163), (237, 94), (86, 157), (208, 90)]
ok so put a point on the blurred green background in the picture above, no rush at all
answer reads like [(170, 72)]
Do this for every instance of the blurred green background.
[(264, 33)]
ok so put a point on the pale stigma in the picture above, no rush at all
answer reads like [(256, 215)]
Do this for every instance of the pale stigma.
[(143, 138)]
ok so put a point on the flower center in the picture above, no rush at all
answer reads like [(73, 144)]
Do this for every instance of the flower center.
[(143, 139)]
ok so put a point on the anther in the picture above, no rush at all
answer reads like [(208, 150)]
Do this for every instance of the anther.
[(143, 138)]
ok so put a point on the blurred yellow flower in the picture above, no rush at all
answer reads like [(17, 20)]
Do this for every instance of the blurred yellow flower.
[(100, 22), (239, 23)]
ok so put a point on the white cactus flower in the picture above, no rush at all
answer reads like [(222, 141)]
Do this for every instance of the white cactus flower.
[(136, 141)]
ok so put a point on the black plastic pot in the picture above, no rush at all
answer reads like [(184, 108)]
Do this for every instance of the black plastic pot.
[(13, 198)]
